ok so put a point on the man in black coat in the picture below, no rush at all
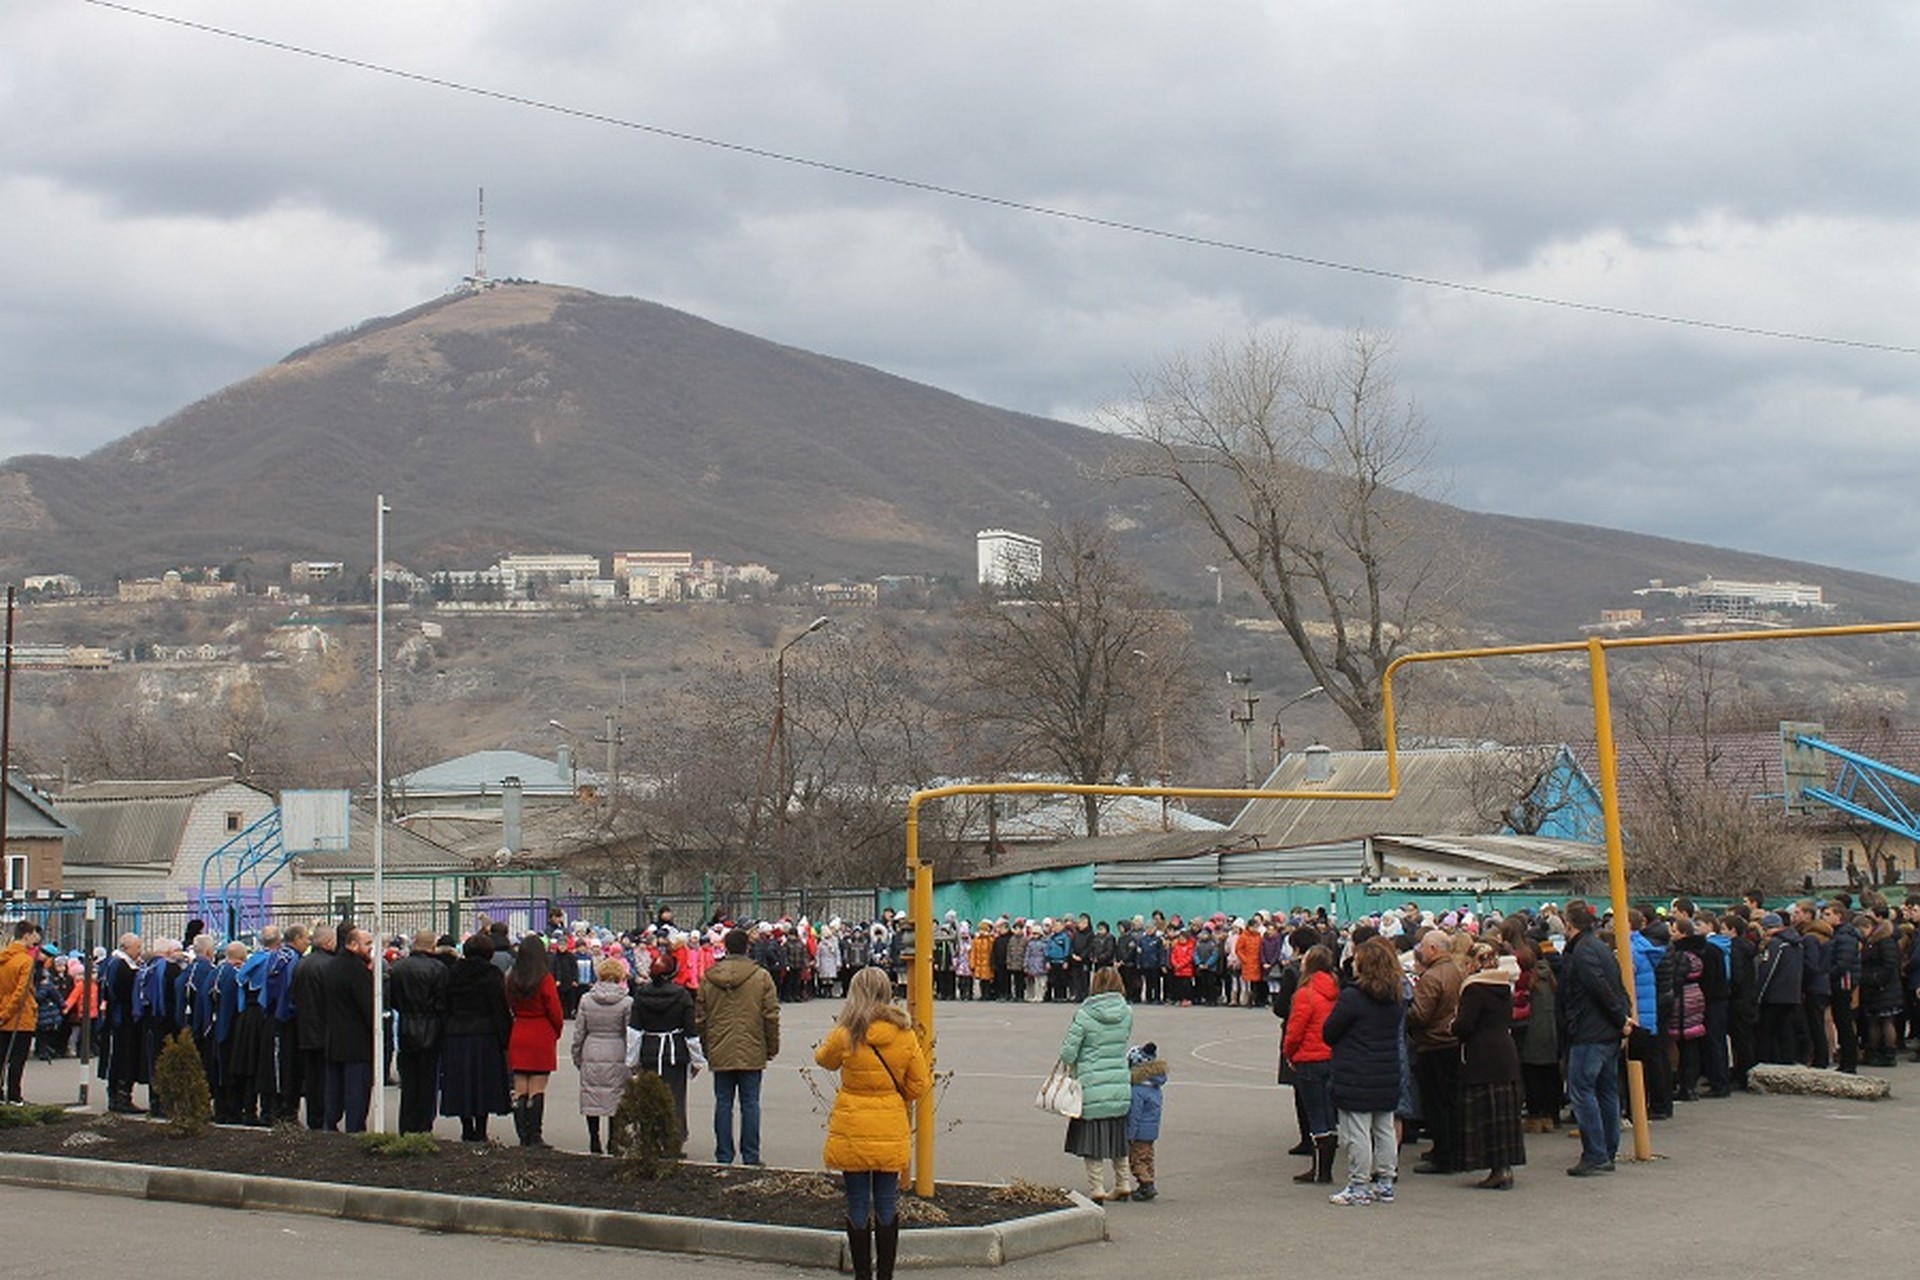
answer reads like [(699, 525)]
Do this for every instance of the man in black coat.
[(310, 1022), (1783, 1026), (1597, 1017), (349, 1004), (1843, 978), (417, 992)]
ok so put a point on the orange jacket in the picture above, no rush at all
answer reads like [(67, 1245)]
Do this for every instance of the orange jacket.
[(1248, 949), (18, 1009), (983, 956)]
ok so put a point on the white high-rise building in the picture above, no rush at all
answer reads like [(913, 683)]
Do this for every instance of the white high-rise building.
[(1007, 559)]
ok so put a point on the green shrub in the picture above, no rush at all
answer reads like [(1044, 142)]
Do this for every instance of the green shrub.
[(398, 1145), (644, 1133), (179, 1086), (33, 1113)]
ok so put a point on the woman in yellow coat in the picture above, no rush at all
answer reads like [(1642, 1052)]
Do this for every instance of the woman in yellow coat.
[(873, 1047)]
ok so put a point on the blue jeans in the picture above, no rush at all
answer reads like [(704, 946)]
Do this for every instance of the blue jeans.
[(1593, 1087), (746, 1085), (1313, 1084), (873, 1195)]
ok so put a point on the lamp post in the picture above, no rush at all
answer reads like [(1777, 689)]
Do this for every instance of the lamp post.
[(573, 758), (1279, 742), (1251, 699), (777, 742), (378, 1120)]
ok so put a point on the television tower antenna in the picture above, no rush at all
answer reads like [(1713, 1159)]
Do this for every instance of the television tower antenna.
[(478, 280)]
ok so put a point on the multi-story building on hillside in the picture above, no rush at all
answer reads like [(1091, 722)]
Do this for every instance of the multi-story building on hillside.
[(1007, 559), (652, 575)]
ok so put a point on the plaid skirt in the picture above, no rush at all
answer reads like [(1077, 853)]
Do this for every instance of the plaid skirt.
[(1491, 1114)]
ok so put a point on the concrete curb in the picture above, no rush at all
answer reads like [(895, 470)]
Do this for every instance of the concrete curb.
[(989, 1246)]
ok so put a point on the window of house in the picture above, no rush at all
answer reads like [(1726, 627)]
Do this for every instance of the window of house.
[(16, 873), (235, 819), (1833, 858)]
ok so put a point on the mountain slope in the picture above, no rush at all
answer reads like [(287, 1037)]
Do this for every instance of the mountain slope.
[(542, 418)]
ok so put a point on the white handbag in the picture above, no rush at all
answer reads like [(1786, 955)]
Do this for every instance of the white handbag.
[(1061, 1092)]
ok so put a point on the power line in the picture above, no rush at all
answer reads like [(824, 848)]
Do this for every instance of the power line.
[(1004, 202)]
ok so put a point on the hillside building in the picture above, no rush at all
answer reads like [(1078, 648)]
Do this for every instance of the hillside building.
[(307, 572), (653, 576), (1005, 558)]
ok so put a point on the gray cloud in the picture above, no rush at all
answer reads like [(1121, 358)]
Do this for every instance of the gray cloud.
[(188, 209)]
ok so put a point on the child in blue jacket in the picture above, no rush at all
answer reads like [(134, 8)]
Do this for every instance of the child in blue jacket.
[(1143, 1116)]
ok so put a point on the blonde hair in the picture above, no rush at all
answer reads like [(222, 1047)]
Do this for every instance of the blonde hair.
[(610, 969), (869, 1000)]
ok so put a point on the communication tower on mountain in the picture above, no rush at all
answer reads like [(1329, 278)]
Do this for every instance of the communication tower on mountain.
[(479, 279)]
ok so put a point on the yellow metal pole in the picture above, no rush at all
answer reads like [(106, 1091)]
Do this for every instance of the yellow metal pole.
[(1617, 878), (920, 995)]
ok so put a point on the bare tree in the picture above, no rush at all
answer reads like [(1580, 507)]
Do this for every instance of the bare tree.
[(1694, 814), (1304, 468), (1080, 676)]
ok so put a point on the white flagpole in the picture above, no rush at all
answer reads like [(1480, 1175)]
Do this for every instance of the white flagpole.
[(378, 1119)]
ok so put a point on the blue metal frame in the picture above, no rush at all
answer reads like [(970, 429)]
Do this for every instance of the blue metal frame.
[(1877, 777), (241, 857)]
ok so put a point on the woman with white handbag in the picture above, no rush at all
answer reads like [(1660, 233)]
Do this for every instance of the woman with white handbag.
[(1095, 1051)]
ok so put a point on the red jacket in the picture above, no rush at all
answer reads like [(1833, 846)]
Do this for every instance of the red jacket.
[(1305, 1020), (1182, 959), (537, 1022)]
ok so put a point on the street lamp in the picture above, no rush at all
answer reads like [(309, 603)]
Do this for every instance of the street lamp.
[(777, 740), (1245, 722), (1280, 743)]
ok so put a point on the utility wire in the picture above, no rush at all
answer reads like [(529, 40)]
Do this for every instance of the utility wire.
[(1004, 202)]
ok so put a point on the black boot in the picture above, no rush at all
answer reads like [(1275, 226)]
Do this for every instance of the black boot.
[(860, 1251), (1304, 1147), (520, 1120), (536, 1120), (1324, 1149), (593, 1136), (466, 1130), (886, 1247)]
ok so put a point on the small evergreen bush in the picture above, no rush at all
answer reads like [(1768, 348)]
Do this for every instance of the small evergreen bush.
[(33, 1113), (180, 1088), (644, 1133), (398, 1145)]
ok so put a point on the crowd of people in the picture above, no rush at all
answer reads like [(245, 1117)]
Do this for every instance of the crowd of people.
[(1469, 1030)]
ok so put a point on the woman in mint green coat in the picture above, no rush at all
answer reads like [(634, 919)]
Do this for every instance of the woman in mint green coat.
[(1096, 1051)]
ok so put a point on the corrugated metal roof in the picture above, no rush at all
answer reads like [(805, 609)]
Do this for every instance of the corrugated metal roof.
[(1520, 857), (124, 832), (149, 789), (1442, 791), (30, 815)]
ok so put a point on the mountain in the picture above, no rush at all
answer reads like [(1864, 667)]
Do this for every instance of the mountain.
[(541, 418)]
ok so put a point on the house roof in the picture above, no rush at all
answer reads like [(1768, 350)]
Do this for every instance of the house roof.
[(404, 852), (133, 823), (1443, 791), (481, 773), (1503, 857), (30, 815)]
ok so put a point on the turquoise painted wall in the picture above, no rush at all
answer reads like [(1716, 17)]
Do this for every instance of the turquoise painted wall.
[(1070, 891)]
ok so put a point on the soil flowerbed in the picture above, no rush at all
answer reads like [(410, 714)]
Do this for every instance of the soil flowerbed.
[(533, 1176)]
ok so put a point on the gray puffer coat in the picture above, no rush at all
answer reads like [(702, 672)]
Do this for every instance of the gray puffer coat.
[(600, 1047)]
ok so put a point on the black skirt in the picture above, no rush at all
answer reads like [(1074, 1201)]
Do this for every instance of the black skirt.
[(1098, 1139), (1491, 1114), (473, 1076)]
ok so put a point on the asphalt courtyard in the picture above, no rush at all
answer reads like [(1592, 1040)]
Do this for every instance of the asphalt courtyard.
[(1749, 1185)]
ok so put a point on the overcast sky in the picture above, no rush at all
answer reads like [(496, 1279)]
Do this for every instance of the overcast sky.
[(182, 208)]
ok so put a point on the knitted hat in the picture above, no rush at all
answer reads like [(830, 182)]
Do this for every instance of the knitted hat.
[(1141, 1054)]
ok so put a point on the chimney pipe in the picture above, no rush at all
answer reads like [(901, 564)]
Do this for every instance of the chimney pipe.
[(1319, 763), (510, 829)]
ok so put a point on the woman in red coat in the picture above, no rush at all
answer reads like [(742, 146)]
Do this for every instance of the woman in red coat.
[(531, 1052)]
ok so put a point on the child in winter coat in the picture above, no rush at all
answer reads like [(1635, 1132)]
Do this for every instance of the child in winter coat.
[(1143, 1116)]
